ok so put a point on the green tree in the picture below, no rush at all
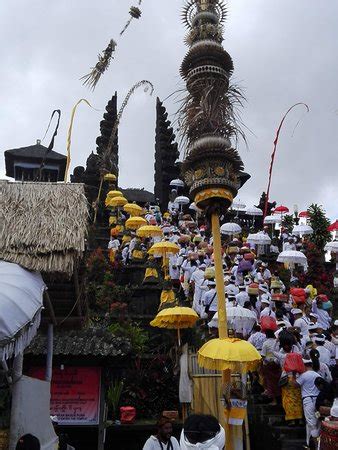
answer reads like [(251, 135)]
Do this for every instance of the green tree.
[(288, 222), (319, 222)]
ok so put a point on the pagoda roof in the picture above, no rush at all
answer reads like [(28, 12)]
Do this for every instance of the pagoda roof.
[(138, 195), (34, 153)]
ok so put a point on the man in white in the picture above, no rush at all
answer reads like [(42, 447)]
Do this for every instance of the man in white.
[(289, 244), (266, 309), (210, 298), (301, 321), (242, 296), (231, 289), (175, 262), (324, 353), (197, 282), (309, 392)]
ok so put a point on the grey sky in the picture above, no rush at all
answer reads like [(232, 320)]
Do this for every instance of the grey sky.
[(285, 51)]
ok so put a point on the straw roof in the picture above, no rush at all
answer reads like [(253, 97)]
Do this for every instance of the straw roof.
[(42, 225)]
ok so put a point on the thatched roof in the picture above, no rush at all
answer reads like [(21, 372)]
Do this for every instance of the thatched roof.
[(42, 225)]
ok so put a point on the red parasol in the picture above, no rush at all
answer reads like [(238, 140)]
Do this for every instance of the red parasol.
[(281, 209), (304, 214), (333, 227)]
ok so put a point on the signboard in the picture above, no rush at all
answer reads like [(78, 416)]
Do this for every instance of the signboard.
[(237, 412), (75, 394)]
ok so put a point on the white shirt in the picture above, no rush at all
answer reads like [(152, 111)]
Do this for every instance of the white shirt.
[(303, 324), (242, 297), (288, 246), (198, 278), (231, 290), (267, 312), (306, 382), (175, 262), (268, 349), (324, 354), (325, 373), (209, 297), (114, 244), (153, 444)]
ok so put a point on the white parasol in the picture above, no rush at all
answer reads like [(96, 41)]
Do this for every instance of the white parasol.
[(272, 220), (238, 205), (253, 211), (293, 257), (302, 230), (177, 183), (21, 301), (231, 228), (239, 319), (260, 238), (332, 247)]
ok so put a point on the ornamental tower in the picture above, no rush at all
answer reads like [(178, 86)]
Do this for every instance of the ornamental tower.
[(212, 169)]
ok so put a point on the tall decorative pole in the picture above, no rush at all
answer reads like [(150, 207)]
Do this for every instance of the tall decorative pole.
[(212, 168)]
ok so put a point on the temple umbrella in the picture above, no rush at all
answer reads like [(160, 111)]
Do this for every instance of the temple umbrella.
[(281, 209), (238, 318), (333, 226), (163, 248), (302, 230), (303, 214), (293, 257), (177, 183), (182, 200), (111, 195), (175, 318), (21, 303), (117, 202), (268, 220), (259, 239), (133, 209), (332, 247), (254, 212), (238, 206), (148, 231), (134, 223), (231, 229)]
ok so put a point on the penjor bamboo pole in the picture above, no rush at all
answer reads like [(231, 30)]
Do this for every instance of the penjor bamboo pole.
[(221, 309), (219, 277)]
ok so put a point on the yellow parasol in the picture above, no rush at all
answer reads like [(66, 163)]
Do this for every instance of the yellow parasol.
[(229, 354), (133, 209), (135, 222), (110, 177), (148, 231), (175, 318), (164, 247), (116, 202), (112, 194), (224, 353)]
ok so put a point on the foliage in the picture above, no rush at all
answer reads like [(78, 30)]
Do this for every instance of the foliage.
[(96, 266), (288, 222), (151, 387), (114, 394), (133, 332), (319, 222), (317, 274)]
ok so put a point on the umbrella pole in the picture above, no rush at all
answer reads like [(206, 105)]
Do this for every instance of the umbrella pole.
[(222, 320), (179, 337)]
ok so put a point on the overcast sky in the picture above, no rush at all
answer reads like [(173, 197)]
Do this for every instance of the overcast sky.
[(284, 51)]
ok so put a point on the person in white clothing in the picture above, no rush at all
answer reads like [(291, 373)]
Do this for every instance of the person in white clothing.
[(163, 440), (324, 353), (289, 244), (210, 300), (202, 432), (197, 282), (309, 392), (243, 296), (301, 321), (266, 309)]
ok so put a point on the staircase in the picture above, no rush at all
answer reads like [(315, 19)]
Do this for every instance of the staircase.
[(268, 429)]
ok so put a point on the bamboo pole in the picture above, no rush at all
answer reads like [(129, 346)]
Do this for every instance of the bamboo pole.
[(222, 318)]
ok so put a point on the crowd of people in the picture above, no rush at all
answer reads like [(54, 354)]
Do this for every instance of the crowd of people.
[(291, 326)]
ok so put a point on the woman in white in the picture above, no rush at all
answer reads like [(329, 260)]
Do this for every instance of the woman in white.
[(202, 432)]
